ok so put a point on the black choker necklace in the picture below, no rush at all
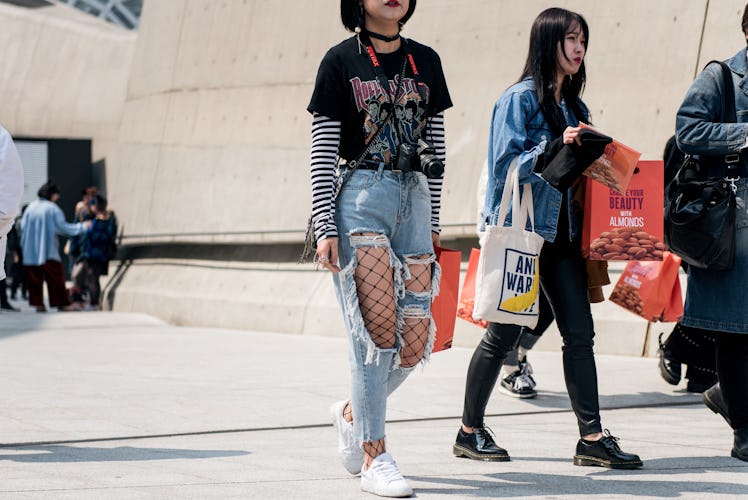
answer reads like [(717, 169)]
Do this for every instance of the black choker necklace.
[(384, 38)]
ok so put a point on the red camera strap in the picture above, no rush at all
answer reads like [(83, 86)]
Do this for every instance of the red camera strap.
[(383, 80)]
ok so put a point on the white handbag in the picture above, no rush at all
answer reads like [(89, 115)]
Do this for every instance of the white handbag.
[(508, 281)]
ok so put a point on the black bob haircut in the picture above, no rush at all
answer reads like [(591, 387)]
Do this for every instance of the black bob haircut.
[(352, 14), (47, 190)]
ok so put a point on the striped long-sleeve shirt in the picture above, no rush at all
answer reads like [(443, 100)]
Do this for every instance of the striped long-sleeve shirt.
[(325, 143)]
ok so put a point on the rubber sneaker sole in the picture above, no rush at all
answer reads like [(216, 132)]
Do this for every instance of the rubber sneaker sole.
[(462, 452), (370, 487), (519, 395), (586, 460)]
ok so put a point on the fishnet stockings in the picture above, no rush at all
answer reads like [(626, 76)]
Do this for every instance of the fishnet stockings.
[(376, 296), (416, 329), (372, 449)]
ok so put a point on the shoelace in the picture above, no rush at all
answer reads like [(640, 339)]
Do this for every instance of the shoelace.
[(486, 433), (523, 381), (525, 369), (352, 446), (387, 470), (608, 437)]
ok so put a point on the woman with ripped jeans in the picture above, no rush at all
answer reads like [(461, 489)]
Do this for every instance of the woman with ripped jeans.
[(375, 96)]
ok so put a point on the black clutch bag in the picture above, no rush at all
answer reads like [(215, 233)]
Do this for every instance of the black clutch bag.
[(594, 140)]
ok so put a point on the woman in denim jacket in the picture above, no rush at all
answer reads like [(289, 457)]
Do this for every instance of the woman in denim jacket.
[(713, 298), (536, 124)]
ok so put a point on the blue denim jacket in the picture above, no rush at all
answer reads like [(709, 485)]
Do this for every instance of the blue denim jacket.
[(41, 223), (713, 298), (519, 130), (698, 127)]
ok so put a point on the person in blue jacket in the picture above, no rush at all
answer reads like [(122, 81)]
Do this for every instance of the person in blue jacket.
[(42, 221), (536, 125), (714, 299)]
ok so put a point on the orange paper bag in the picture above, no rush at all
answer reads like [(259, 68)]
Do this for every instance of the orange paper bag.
[(615, 167), (444, 306), (628, 225), (651, 289), (467, 297)]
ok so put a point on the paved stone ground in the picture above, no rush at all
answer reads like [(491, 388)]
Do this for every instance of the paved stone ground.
[(122, 406)]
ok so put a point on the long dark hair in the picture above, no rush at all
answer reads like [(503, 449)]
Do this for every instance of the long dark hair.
[(352, 14), (548, 29)]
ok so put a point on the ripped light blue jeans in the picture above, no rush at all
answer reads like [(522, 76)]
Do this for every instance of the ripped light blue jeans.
[(386, 252)]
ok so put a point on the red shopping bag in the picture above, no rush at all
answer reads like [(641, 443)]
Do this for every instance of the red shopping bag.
[(628, 225), (651, 289), (444, 306), (467, 297)]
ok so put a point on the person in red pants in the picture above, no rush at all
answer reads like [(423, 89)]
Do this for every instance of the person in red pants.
[(42, 222)]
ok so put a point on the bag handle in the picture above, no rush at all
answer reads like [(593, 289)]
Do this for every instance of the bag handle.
[(522, 203), (728, 101), (690, 169)]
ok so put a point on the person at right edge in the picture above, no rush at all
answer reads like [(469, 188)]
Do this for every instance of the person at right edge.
[(714, 299), (536, 124)]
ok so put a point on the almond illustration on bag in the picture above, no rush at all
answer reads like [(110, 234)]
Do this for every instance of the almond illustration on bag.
[(626, 225)]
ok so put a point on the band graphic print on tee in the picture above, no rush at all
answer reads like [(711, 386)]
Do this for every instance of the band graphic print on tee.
[(409, 111)]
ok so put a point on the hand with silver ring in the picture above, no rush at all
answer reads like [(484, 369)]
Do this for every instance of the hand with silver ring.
[(327, 254)]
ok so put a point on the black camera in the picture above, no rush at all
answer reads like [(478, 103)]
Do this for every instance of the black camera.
[(420, 157)]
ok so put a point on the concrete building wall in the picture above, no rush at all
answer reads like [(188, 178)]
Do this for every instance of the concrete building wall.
[(213, 146), (64, 74)]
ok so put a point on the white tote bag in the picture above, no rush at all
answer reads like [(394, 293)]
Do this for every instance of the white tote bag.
[(507, 281)]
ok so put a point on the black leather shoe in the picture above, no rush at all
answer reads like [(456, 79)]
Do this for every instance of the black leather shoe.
[(714, 400), (697, 387), (740, 448), (605, 453), (669, 369), (479, 446)]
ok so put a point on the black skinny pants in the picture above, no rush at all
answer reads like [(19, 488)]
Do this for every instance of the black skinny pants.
[(563, 278), (732, 371)]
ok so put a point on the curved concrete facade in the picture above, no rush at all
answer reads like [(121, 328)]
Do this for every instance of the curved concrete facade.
[(64, 74), (213, 146)]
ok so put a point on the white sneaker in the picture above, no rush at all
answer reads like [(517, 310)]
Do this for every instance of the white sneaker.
[(384, 479), (351, 453)]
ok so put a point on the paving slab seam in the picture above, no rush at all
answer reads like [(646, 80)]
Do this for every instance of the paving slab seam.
[(323, 425), (171, 485)]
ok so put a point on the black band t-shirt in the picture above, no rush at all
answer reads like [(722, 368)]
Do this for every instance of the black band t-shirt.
[(347, 90)]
